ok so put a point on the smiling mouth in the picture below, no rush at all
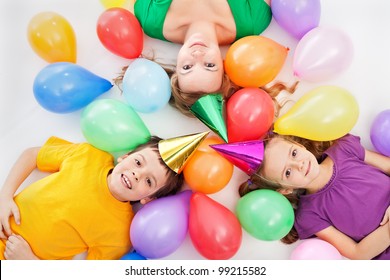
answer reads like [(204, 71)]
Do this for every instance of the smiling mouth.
[(198, 44), (308, 168), (126, 182)]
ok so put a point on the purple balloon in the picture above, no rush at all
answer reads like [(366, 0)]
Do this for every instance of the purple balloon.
[(160, 226), (380, 132), (297, 17)]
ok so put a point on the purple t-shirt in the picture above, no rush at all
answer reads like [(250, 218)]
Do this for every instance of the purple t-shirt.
[(353, 201)]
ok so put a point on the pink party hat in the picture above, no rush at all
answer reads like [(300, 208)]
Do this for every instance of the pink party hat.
[(247, 155)]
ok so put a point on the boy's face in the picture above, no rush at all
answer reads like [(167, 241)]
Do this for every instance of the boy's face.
[(137, 176)]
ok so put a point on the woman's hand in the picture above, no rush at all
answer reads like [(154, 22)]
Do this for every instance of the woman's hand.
[(8, 208), (16, 248)]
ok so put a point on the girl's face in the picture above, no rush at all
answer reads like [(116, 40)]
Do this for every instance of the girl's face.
[(199, 65), (137, 176), (289, 164)]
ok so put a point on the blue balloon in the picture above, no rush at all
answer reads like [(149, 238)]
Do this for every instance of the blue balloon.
[(64, 87), (146, 86), (133, 255)]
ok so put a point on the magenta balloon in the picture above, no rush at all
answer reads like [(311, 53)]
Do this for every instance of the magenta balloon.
[(160, 226), (297, 17), (380, 132)]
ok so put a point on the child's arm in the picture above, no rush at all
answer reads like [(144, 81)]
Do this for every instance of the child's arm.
[(369, 247), (18, 249), (386, 217), (378, 160), (22, 168)]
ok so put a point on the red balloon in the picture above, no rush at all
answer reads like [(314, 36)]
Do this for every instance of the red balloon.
[(214, 230), (249, 113), (120, 32)]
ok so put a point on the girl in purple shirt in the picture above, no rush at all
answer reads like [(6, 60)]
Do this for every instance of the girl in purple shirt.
[(341, 195)]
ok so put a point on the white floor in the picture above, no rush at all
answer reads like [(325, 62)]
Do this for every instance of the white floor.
[(24, 123)]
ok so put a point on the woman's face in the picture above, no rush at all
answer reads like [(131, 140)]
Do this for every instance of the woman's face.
[(289, 164), (199, 65), (137, 176)]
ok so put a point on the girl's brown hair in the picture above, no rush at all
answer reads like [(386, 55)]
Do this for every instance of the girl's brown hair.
[(257, 181)]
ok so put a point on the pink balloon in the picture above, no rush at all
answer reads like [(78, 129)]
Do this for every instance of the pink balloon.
[(322, 54), (315, 249), (297, 17), (160, 226)]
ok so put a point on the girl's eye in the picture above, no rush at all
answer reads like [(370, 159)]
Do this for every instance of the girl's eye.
[(137, 162), (294, 153), (187, 67), (288, 173), (149, 182), (210, 65)]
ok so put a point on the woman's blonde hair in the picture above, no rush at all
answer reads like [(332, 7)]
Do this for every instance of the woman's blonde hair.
[(257, 181), (184, 100)]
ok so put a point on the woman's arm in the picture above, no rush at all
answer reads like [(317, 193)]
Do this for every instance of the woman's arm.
[(378, 160), (22, 168), (369, 247)]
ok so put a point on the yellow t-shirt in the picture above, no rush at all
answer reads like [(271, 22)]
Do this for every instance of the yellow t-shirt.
[(72, 210)]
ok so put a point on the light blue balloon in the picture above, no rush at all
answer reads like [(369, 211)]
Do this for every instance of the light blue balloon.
[(64, 87), (146, 86)]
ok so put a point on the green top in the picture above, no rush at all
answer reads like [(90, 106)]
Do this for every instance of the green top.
[(252, 17)]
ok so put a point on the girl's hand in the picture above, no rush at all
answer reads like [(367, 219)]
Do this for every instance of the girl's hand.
[(16, 248), (8, 208), (386, 217)]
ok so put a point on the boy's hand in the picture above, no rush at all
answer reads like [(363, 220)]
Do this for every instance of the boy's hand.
[(16, 248), (8, 208)]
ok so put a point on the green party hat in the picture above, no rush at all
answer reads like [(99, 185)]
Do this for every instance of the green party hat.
[(210, 110)]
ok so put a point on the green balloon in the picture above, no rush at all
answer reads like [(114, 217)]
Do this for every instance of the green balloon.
[(113, 126), (265, 214)]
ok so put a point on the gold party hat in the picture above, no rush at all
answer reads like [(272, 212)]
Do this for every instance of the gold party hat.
[(176, 151)]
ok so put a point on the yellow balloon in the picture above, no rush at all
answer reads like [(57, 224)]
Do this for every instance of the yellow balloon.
[(114, 3), (52, 37), (324, 113)]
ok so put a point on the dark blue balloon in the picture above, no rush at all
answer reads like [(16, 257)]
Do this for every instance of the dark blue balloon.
[(133, 256), (65, 87)]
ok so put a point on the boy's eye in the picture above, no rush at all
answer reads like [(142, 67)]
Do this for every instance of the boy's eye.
[(288, 173), (149, 182), (210, 65), (137, 162), (187, 67)]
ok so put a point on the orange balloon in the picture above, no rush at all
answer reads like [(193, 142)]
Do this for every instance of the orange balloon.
[(52, 37), (254, 61), (207, 171)]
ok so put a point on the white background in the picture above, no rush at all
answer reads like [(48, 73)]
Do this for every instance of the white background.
[(24, 123)]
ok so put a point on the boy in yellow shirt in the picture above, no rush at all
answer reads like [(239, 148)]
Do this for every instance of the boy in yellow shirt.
[(84, 204)]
